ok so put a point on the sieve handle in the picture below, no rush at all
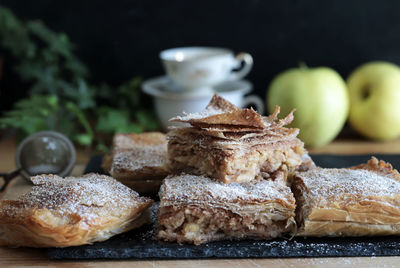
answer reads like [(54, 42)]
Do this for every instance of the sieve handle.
[(7, 177)]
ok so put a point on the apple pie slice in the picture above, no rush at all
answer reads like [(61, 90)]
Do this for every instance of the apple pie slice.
[(233, 161), (139, 160), (358, 201), (196, 209), (229, 150), (63, 212)]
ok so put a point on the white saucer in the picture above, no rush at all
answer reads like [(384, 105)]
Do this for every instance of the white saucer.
[(163, 87)]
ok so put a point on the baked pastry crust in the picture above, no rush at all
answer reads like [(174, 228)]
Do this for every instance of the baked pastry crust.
[(139, 156), (196, 209), (332, 228), (221, 112), (63, 212), (139, 160), (358, 201), (232, 161)]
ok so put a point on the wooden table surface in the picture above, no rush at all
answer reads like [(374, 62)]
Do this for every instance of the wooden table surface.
[(36, 257)]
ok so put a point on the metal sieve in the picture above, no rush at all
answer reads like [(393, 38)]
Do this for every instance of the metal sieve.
[(46, 152)]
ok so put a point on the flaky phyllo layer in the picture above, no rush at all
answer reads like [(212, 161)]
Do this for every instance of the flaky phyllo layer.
[(71, 211), (364, 200), (139, 156), (230, 144), (196, 209), (235, 165)]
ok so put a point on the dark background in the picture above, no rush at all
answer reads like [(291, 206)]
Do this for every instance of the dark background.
[(120, 39)]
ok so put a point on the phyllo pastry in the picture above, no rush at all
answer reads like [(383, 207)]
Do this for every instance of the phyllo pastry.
[(63, 212), (358, 201), (220, 113), (139, 160), (196, 209), (234, 145)]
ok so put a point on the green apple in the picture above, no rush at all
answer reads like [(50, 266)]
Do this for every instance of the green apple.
[(320, 98), (374, 90)]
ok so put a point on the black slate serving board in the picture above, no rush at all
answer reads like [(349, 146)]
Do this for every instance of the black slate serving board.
[(138, 244)]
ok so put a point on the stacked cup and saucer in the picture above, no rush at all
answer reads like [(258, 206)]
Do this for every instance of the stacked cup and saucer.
[(194, 74)]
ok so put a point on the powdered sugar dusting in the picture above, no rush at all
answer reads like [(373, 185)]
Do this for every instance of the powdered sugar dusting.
[(221, 120), (210, 111), (216, 106), (336, 183), (220, 111), (136, 159), (191, 188), (131, 141), (89, 196), (136, 151)]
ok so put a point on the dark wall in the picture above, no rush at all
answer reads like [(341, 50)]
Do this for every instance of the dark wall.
[(119, 39)]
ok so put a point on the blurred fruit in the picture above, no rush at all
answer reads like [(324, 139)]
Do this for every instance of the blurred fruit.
[(320, 98), (374, 90)]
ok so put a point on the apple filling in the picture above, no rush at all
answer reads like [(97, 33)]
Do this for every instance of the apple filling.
[(195, 224), (236, 166)]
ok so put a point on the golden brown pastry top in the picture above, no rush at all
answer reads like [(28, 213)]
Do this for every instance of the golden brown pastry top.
[(380, 167), (143, 140), (187, 188), (136, 151), (358, 201), (223, 120), (370, 183), (89, 197), (221, 112), (228, 140)]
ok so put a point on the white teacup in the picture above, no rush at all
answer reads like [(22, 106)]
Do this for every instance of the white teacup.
[(201, 68), (170, 104)]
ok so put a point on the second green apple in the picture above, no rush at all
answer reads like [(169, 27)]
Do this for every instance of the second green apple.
[(320, 98), (375, 96)]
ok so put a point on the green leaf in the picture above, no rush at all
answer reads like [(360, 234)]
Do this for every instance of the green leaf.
[(82, 119), (53, 102), (103, 148), (111, 120), (84, 139), (147, 119), (130, 93), (131, 128), (31, 114)]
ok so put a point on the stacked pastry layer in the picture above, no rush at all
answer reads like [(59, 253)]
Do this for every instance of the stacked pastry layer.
[(139, 160), (197, 209), (359, 201), (232, 164), (230, 144)]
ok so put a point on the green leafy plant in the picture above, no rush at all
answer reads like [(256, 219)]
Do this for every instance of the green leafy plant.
[(60, 96), (33, 114)]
